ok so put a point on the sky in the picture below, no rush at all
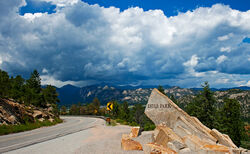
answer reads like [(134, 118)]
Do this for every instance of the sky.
[(129, 42)]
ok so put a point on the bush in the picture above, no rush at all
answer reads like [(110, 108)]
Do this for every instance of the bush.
[(119, 121), (148, 127), (133, 124)]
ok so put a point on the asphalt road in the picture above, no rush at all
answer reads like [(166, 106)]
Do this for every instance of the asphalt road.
[(19, 140)]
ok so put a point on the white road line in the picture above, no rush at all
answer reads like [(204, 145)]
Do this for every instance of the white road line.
[(25, 143), (34, 133)]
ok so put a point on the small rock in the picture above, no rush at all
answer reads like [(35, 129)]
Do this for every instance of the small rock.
[(41, 119), (134, 132), (129, 144), (51, 120), (50, 109), (12, 119), (37, 114)]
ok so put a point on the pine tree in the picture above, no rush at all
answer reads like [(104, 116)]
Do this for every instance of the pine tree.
[(203, 107), (161, 89), (17, 88), (230, 122), (125, 111), (34, 82), (4, 84), (33, 90), (116, 109), (50, 95)]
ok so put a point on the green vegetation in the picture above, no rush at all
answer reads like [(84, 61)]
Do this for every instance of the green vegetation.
[(7, 129), (203, 107), (121, 113), (161, 89), (226, 119), (28, 91)]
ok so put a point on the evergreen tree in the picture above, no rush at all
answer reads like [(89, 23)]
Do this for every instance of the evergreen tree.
[(17, 88), (203, 108), (4, 84), (34, 82), (174, 100), (96, 103), (230, 122), (116, 109), (125, 111), (74, 110), (33, 89), (50, 95), (161, 89), (138, 112)]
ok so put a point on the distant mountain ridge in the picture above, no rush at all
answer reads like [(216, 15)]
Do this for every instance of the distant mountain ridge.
[(70, 94)]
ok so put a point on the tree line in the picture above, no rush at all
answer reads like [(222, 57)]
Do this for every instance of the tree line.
[(122, 113), (27, 91)]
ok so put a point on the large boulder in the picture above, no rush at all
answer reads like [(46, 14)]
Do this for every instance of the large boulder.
[(166, 136), (179, 132), (161, 110)]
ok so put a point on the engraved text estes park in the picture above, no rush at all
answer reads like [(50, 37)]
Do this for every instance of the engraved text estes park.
[(159, 105)]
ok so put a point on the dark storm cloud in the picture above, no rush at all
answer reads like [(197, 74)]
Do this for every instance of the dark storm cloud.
[(81, 42)]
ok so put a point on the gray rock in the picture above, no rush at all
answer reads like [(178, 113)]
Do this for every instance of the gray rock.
[(144, 138), (185, 151)]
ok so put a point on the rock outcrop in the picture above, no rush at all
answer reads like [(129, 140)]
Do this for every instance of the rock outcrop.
[(12, 112), (182, 133), (178, 132)]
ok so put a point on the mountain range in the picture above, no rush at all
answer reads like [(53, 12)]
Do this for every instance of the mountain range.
[(70, 94)]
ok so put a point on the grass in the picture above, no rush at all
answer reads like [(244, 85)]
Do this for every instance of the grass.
[(8, 129), (147, 126)]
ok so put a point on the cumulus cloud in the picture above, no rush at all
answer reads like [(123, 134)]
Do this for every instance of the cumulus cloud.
[(225, 37), (61, 3), (225, 49), (221, 59), (82, 42)]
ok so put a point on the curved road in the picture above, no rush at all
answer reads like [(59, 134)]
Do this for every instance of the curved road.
[(23, 139)]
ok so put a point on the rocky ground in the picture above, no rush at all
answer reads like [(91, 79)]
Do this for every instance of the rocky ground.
[(12, 112)]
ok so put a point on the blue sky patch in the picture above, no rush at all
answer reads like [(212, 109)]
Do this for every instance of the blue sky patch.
[(37, 6), (246, 40), (170, 7)]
